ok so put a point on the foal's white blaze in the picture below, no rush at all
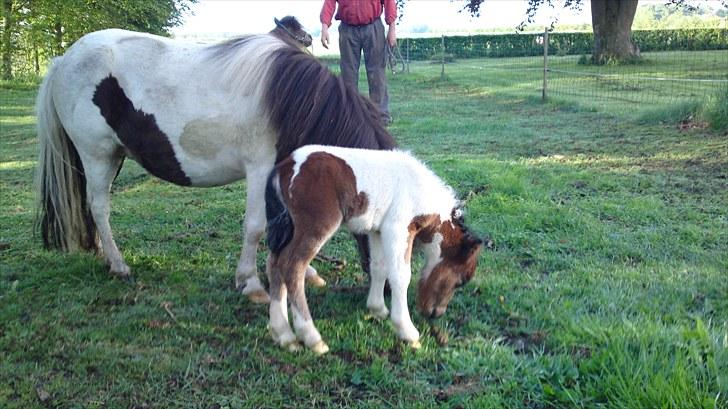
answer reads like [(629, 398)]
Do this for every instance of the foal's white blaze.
[(432, 255)]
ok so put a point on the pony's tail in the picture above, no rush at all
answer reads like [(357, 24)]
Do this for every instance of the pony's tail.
[(280, 224), (62, 214)]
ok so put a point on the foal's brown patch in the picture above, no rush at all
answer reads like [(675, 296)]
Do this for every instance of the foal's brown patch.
[(339, 188)]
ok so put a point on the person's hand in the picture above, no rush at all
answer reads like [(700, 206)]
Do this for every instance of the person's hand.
[(325, 36), (391, 36)]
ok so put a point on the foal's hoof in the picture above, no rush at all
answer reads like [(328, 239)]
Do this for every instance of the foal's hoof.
[(294, 346), (320, 348), (259, 297), (414, 344), (379, 313), (316, 281)]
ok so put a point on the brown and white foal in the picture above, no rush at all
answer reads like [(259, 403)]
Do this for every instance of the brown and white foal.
[(388, 195)]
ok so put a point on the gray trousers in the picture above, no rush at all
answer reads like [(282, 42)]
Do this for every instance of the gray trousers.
[(370, 39)]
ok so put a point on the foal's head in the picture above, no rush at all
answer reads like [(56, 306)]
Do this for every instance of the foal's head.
[(452, 254), (290, 30)]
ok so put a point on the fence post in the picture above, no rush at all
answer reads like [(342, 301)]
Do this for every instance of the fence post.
[(442, 73), (545, 61), (408, 60)]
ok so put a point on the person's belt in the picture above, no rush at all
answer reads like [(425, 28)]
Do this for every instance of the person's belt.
[(360, 25)]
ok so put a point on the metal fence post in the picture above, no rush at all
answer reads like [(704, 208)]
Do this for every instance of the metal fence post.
[(442, 74), (545, 61)]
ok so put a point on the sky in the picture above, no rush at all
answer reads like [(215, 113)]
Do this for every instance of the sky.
[(234, 17)]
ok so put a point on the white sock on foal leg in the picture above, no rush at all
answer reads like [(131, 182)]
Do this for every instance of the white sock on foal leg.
[(308, 333), (279, 328)]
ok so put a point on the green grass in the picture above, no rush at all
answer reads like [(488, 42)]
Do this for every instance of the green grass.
[(607, 286)]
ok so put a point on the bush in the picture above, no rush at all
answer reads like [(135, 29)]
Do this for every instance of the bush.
[(716, 109), (531, 44)]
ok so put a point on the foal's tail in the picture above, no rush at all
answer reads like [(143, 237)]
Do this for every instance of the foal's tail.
[(62, 214), (280, 224)]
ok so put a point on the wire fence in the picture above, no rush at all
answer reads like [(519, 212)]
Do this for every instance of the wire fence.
[(676, 66)]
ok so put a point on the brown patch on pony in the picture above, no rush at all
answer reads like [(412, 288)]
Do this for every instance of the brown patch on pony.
[(307, 104), (341, 192), (139, 133)]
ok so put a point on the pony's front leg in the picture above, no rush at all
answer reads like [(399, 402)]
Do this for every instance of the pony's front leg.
[(246, 274), (398, 250), (378, 274)]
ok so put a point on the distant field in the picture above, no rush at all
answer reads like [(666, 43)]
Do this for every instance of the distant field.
[(607, 286)]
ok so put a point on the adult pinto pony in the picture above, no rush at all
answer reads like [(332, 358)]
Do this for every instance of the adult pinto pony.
[(190, 114)]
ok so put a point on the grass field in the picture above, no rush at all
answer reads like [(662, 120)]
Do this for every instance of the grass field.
[(607, 286)]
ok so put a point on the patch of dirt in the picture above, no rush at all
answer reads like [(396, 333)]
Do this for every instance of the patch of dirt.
[(690, 123), (460, 386), (525, 342)]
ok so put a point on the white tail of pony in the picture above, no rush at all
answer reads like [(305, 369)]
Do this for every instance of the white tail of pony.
[(63, 217)]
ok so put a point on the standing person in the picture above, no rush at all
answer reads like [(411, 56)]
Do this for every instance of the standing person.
[(360, 30)]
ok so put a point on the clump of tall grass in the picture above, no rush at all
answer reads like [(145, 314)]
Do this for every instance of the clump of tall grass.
[(715, 110)]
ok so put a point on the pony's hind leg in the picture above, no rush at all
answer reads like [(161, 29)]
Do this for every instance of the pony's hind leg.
[(100, 173)]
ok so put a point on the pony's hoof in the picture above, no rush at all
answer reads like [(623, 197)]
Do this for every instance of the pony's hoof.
[(414, 344), (259, 297), (379, 313), (320, 348), (121, 271), (294, 346), (316, 281)]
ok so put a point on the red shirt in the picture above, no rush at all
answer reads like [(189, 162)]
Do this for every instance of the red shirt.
[(358, 12)]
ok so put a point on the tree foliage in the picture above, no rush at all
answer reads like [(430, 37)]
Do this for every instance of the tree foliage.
[(35, 30), (611, 23)]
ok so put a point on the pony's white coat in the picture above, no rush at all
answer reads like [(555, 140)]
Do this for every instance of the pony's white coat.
[(209, 108)]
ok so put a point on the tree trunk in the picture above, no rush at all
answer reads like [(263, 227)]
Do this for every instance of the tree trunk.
[(7, 44), (612, 23), (58, 36)]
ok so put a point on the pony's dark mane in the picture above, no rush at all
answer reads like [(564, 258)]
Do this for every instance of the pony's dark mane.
[(308, 104)]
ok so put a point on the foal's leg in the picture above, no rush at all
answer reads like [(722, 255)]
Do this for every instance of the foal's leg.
[(278, 310), (313, 278), (246, 275), (397, 252), (378, 274), (298, 254), (100, 173), (302, 320)]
